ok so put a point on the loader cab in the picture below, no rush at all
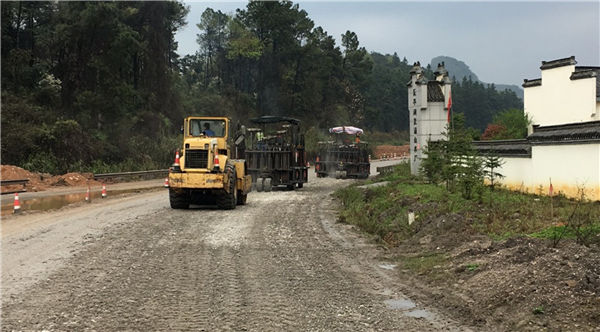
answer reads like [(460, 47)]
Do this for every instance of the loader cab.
[(197, 129), (207, 127), (203, 139)]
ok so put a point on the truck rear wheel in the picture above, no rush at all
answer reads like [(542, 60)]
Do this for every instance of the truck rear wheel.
[(259, 184), (267, 184), (228, 200), (179, 200)]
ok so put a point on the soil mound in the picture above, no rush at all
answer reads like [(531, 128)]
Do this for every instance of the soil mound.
[(36, 180), (73, 180), (41, 181), (521, 283)]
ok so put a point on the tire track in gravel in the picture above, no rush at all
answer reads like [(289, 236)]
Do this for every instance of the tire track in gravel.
[(272, 265)]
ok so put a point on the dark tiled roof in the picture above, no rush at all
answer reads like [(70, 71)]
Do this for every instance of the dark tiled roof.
[(441, 70), (416, 69), (583, 74), (529, 83), (588, 72), (558, 63), (434, 91), (504, 148), (568, 133)]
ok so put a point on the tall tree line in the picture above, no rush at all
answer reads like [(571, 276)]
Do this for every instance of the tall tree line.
[(99, 85), (271, 59), (88, 82)]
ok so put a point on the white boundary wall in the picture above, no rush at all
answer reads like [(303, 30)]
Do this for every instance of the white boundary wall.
[(570, 166), (560, 100)]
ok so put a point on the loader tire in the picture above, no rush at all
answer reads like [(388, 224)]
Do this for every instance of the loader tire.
[(179, 200), (228, 200)]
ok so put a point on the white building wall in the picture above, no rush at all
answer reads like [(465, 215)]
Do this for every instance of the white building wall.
[(559, 99), (417, 100), (570, 166), (413, 110), (433, 123), (427, 120), (517, 174), (447, 91)]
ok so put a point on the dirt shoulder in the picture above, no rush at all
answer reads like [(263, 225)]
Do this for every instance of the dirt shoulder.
[(508, 283), (515, 284)]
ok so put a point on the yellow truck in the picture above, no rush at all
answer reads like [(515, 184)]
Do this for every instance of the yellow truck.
[(208, 170)]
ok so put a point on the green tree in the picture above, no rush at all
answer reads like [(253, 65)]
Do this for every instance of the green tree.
[(212, 39), (515, 121), (454, 160), (434, 161), (356, 65)]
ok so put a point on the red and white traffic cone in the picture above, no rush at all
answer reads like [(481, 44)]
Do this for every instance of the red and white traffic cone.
[(103, 190), (176, 167), (17, 205), (176, 163), (166, 182), (87, 195)]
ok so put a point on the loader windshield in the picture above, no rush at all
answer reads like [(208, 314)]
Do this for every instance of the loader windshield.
[(209, 128)]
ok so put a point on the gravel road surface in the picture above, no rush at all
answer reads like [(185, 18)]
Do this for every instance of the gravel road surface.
[(280, 263)]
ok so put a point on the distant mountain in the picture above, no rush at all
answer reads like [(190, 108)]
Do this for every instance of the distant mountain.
[(459, 69)]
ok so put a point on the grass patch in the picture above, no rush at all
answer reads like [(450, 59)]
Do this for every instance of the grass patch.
[(501, 214), (424, 264), (554, 231), (373, 211), (539, 310), (472, 267)]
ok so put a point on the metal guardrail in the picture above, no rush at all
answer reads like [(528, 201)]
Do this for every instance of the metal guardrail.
[(124, 174), (14, 182), (9, 182)]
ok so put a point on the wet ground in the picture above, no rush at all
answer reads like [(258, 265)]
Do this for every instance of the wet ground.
[(57, 198)]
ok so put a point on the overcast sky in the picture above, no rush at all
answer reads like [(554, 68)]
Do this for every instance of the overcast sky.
[(502, 42)]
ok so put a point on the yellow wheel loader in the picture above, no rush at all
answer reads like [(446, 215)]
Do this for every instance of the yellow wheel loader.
[(209, 169)]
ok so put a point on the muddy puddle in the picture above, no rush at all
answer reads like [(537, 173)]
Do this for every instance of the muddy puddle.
[(400, 304), (420, 313), (406, 305), (58, 201)]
